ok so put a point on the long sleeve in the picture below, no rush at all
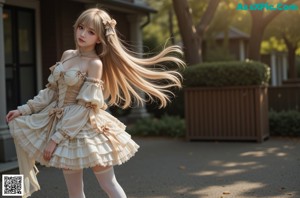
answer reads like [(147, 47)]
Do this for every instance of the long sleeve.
[(44, 98)]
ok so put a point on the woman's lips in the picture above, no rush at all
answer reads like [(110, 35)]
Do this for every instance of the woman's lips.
[(81, 40)]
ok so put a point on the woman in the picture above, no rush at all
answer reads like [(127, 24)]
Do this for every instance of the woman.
[(66, 125)]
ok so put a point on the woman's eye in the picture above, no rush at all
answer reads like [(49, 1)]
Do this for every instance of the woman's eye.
[(80, 27), (91, 33)]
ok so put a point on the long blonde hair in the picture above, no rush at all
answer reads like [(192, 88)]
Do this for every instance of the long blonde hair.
[(124, 75)]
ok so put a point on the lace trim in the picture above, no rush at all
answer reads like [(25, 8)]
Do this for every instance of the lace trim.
[(90, 105), (24, 110), (30, 106), (64, 134), (96, 81)]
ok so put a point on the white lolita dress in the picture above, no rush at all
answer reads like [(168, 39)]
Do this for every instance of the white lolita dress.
[(70, 111)]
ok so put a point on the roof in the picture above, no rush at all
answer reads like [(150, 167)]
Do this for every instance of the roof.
[(129, 6), (233, 33)]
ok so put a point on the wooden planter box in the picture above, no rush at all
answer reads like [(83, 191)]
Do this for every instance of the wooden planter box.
[(227, 113)]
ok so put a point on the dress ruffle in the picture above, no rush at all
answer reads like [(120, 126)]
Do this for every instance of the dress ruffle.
[(89, 148)]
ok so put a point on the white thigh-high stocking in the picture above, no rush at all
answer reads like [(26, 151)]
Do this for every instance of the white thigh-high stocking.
[(74, 183), (109, 183)]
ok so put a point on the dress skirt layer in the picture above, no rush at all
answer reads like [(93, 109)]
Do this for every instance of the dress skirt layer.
[(71, 112)]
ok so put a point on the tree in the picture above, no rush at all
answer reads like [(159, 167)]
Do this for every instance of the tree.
[(157, 32), (192, 35), (284, 28), (260, 20)]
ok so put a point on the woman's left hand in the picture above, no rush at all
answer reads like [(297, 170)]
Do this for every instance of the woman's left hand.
[(49, 150)]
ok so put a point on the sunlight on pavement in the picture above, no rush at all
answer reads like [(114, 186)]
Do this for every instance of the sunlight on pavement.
[(229, 190), (234, 164), (281, 154), (272, 150), (232, 168), (264, 153), (221, 173), (205, 173), (254, 154)]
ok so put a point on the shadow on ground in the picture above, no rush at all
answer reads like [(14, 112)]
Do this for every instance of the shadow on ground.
[(173, 168)]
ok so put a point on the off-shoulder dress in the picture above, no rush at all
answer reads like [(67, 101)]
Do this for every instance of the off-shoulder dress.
[(71, 112)]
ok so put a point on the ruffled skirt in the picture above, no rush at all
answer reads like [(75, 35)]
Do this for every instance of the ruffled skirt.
[(88, 148)]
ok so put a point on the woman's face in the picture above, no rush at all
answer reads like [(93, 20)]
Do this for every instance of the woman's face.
[(86, 36)]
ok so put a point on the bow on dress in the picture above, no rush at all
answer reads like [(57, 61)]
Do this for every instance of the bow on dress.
[(54, 114), (104, 129)]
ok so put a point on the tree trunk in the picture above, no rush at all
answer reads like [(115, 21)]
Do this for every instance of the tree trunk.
[(259, 23), (171, 26), (191, 42), (292, 74), (292, 63), (192, 36), (255, 40)]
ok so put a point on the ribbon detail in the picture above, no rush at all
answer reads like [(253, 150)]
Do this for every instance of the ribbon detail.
[(110, 26), (55, 114)]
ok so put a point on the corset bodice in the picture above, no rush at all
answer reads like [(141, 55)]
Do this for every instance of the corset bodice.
[(69, 83)]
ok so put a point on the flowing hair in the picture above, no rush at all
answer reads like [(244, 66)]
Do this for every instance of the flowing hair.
[(125, 75)]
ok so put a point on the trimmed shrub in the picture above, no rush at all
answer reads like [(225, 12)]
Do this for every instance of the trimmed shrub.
[(232, 73), (165, 126), (286, 123)]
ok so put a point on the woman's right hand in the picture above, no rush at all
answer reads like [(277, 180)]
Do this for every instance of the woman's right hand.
[(12, 115)]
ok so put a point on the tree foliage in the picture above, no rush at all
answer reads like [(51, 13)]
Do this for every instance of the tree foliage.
[(284, 30), (196, 25), (260, 20)]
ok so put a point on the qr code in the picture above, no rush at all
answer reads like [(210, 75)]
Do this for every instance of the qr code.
[(12, 185)]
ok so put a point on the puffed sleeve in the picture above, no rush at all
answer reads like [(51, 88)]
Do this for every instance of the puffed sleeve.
[(92, 93), (44, 97)]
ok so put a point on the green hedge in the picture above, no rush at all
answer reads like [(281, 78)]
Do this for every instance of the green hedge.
[(232, 73), (165, 126), (286, 123)]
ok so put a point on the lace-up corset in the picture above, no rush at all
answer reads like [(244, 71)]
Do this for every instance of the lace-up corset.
[(69, 83)]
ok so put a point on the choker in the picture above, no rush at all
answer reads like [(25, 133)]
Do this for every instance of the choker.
[(89, 54)]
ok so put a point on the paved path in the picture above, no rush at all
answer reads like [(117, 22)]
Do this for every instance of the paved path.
[(170, 168)]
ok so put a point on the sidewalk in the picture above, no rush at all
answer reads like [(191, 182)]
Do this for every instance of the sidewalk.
[(170, 168)]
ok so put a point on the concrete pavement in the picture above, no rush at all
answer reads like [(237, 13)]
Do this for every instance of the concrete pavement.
[(174, 168)]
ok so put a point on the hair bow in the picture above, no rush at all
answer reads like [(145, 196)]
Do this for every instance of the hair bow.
[(110, 26)]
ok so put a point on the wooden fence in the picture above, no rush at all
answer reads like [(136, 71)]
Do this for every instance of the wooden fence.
[(284, 98), (231, 113)]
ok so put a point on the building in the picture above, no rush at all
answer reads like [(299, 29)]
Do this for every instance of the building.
[(237, 43), (238, 48), (33, 35)]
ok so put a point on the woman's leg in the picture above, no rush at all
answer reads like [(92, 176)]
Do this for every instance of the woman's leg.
[(108, 182), (74, 183)]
